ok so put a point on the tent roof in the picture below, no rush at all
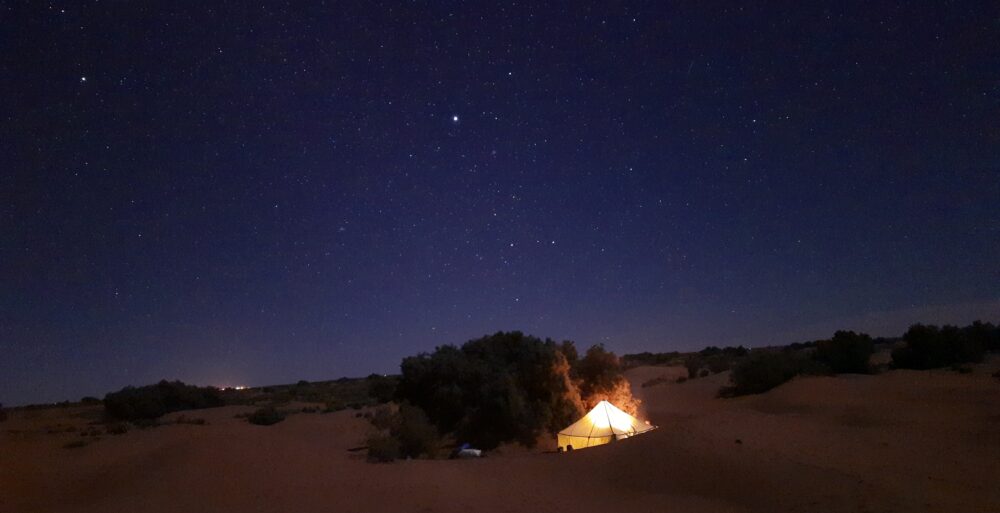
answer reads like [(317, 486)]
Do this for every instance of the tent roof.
[(606, 420)]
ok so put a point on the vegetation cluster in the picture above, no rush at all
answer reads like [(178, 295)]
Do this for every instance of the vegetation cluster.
[(506, 387), (153, 401)]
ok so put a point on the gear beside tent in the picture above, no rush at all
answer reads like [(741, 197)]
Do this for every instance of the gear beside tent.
[(604, 424)]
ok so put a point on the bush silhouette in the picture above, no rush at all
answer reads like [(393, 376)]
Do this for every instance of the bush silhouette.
[(846, 352), (381, 388), (383, 448), (930, 347), (152, 401), (502, 387), (761, 371), (266, 416)]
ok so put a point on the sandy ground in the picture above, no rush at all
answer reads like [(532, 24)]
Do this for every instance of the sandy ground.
[(900, 441)]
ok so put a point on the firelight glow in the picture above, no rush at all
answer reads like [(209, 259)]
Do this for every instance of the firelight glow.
[(610, 416)]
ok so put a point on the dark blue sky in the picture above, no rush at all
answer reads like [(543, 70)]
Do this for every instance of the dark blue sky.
[(236, 194)]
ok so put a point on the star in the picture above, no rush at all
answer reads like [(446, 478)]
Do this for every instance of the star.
[(83, 79), (454, 119)]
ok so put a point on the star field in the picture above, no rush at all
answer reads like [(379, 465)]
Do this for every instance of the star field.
[(227, 193)]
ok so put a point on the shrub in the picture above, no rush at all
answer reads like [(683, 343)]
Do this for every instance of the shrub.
[(846, 352), (647, 358), (693, 364), (90, 400), (152, 401), (681, 379), (182, 419), (762, 371), (334, 406), (145, 423), (930, 347), (504, 387), (118, 428), (3, 413), (383, 448), (266, 416), (412, 434), (381, 388), (655, 381), (75, 444), (417, 436)]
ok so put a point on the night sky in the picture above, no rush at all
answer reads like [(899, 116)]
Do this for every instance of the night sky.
[(240, 193)]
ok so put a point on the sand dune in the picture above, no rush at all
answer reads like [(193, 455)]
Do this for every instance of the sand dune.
[(899, 441)]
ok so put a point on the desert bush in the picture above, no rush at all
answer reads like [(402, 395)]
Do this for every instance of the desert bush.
[(266, 416), (75, 444), (599, 378), (647, 358), (846, 352), (417, 436), (693, 364), (720, 362), (117, 428), (681, 379), (383, 418), (499, 388), (334, 406), (983, 334), (762, 371), (655, 381), (930, 347), (152, 401), (381, 388), (183, 419), (3, 413), (90, 400), (383, 448), (412, 434)]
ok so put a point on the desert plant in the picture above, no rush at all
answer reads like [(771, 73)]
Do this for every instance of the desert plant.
[(846, 352), (417, 436), (930, 347), (693, 364), (118, 428), (333, 406), (383, 448), (3, 413), (183, 419), (381, 388), (266, 416), (152, 401), (762, 371), (504, 387), (75, 444), (655, 381)]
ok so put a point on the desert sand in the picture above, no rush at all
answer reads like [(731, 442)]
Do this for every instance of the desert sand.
[(899, 441)]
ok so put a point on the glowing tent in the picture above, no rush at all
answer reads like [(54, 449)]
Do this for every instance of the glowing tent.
[(604, 424)]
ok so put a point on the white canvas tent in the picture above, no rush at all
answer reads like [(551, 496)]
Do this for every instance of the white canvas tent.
[(604, 424)]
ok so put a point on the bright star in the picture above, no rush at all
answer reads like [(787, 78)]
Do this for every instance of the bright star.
[(454, 119)]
